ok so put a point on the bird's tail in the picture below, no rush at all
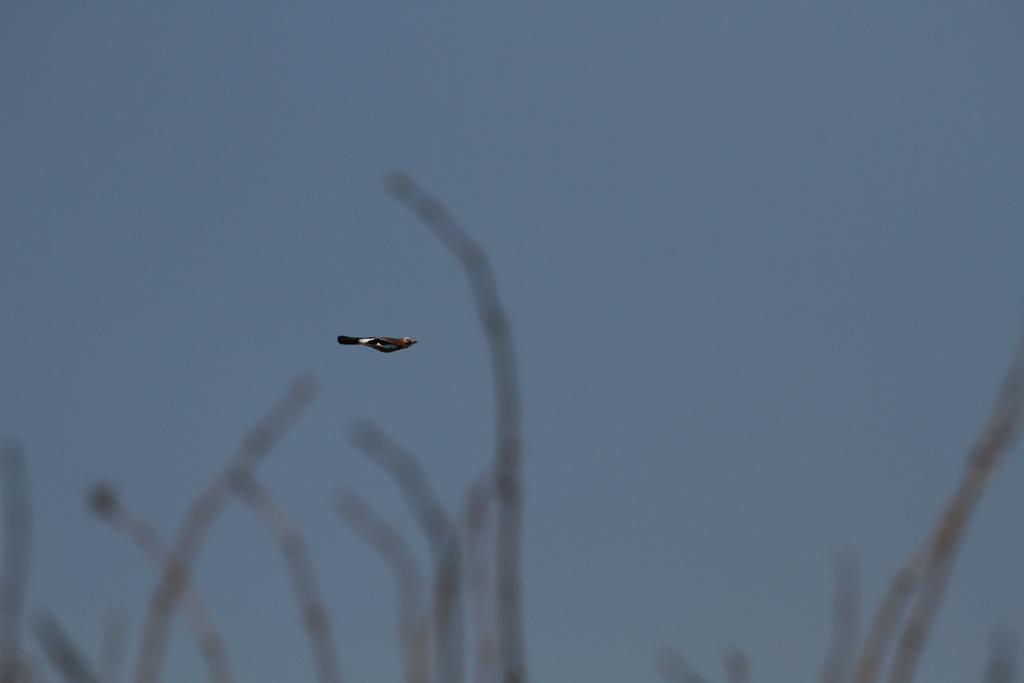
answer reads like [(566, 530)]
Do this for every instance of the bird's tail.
[(342, 339)]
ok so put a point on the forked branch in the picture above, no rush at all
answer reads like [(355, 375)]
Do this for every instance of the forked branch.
[(446, 604), (200, 516), (932, 562), (105, 504), (507, 424)]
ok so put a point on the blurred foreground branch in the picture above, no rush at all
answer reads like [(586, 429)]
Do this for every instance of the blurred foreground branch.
[(105, 504), (506, 386), (300, 572), (931, 564), (200, 516), (396, 553), (63, 654), (441, 535)]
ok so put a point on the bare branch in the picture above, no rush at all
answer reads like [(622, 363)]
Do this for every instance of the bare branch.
[(443, 538), (413, 632), (105, 503), (915, 630), (507, 424), (200, 516), (300, 571), (937, 552), (62, 653)]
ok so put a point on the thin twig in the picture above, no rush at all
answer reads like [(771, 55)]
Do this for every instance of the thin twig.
[(915, 630), (62, 653), (200, 516), (442, 537), (300, 572), (940, 546), (508, 486), (105, 504), (886, 619), (413, 632), (16, 548)]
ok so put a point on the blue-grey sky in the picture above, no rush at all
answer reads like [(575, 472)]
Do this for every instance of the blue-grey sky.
[(763, 267)]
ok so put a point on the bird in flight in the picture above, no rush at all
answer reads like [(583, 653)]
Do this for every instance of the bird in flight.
[(382, 344)]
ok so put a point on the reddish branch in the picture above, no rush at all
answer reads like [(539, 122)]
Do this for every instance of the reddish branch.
[(204, 510), (929, 567)]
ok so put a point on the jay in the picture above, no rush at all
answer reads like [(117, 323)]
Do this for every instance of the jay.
[(382, 344)]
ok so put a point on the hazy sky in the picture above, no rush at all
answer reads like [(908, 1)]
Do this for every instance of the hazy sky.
[(763, 267)]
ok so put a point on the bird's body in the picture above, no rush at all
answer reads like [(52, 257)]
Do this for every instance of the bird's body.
[(382, 344)]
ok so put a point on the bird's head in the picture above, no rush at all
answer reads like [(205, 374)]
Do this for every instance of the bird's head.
[(409, 341)]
